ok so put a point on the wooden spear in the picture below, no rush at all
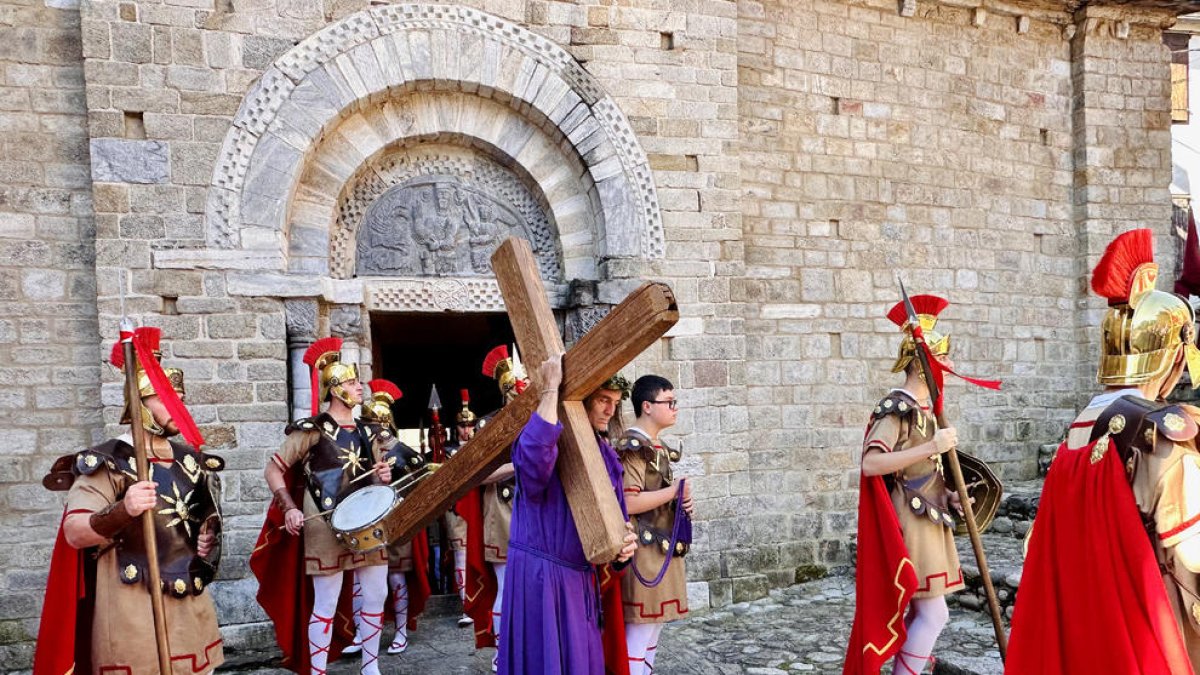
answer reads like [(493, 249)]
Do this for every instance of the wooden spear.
[(142, 460), (960, 485)]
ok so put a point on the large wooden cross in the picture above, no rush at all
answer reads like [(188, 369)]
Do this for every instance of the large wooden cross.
[(616, 340)]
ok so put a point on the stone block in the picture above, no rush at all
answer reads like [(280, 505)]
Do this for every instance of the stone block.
[(117, 160)]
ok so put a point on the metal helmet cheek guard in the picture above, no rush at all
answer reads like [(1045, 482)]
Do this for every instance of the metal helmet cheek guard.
[(1145, 330)]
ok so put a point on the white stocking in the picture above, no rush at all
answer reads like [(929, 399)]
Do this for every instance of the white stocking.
[(497, 608), (639, 637), (374, 593), (652, 647), (399, 584), (326, 590), (460, 574), (927, 618)]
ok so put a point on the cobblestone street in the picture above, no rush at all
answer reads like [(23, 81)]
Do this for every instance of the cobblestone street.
[(802, 629)]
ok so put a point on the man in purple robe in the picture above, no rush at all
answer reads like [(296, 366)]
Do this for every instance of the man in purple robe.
[(551, 620)]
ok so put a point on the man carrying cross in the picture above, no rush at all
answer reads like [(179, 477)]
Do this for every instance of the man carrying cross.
[(551, 622)]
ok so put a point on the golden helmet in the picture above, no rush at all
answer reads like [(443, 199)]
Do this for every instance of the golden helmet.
[(329, 373), (928, 307), (1144, 330), (465, 416), (378, 408), (499, 366), (152, 338)]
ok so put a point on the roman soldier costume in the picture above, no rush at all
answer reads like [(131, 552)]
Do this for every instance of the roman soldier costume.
[(323, 462), (647, 466), (1110, 582), (97, 612), (906, 522), (407, 560), (456, 525)]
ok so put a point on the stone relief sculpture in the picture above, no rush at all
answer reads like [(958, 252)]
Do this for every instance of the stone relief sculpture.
[(447, 224)]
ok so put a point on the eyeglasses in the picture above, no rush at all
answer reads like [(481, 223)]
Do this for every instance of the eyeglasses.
[(672, 404)]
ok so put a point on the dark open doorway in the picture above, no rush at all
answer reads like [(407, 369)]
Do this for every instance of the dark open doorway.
[(417, 350)]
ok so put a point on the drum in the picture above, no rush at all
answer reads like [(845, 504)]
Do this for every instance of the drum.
[(358, 521)]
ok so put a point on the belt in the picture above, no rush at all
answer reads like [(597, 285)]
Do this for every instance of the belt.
[(595, 611)]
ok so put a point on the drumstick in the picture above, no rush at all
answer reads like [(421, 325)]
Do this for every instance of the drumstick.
[(308, 518), (391, 462)]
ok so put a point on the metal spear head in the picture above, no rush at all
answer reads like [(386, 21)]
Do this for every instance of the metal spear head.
[(435, 402)]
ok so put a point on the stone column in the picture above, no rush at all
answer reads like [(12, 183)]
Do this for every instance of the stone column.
[(301, 319), (345, 321)]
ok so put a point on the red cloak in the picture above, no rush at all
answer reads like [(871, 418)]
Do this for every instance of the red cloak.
[(1092, 599), (884, 582), (284, 590), (480, 580), (419, 589), (65, 633), (612, 635)]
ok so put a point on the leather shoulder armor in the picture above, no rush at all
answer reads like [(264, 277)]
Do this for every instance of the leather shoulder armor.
[(1135, 424), (308, 424), (895, 403), (114, 454)]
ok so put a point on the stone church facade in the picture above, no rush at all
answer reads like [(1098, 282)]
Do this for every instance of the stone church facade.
[(250, 175)]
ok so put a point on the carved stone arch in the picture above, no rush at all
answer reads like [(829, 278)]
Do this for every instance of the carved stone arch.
[(366, 60)]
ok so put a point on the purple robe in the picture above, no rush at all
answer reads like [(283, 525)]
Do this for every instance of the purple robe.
[(551, 617)]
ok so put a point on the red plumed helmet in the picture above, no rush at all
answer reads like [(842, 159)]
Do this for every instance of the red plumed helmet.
[(926, 305), (385, 387), (1127, 267), (494, 358), (320, 348)]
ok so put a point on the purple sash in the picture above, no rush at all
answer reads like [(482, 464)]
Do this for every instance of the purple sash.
[(680, 532)]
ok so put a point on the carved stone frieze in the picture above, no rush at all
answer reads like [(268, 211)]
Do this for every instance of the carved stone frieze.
[(437, 211)]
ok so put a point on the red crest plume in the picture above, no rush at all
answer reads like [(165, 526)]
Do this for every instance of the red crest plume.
[(117, 357), (1114, 275), (924, 304), (322, 346), (466, 396), (386, 387), (493, 358)]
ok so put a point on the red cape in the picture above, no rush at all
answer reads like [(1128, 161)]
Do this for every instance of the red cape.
[(1092, 599), (884, 582), (612, 635), (285, 592), (419, 589), (64, 636), (480, 582)]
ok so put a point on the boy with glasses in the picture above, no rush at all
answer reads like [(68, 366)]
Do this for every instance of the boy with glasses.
[(650, 496)]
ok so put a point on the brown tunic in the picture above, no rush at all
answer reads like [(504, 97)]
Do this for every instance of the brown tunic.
[(456, 528), (899, 423), (1166, 487), (647, 468), (497, 519), (322, 552), (123, 624)]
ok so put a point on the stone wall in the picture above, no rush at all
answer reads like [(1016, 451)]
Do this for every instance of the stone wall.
[(48, 337), (943, 146), (785, 160)]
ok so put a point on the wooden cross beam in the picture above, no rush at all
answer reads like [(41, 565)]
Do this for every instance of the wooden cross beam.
[(617, 339)]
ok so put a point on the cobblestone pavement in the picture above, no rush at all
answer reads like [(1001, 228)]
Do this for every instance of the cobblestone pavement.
[(801, 629)]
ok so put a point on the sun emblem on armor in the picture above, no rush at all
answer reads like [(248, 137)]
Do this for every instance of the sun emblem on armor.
[(1116, 425), (180, 586), (90, 461), (1173, 422), (352, 459), (180, 507), (198, 583), (130, 572)]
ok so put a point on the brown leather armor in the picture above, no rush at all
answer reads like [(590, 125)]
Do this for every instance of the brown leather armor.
[(1132, 425), (188, 497), (338, 458), (654, 527)]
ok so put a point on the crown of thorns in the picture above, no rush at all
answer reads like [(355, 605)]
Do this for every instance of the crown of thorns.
[(619, 383)]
